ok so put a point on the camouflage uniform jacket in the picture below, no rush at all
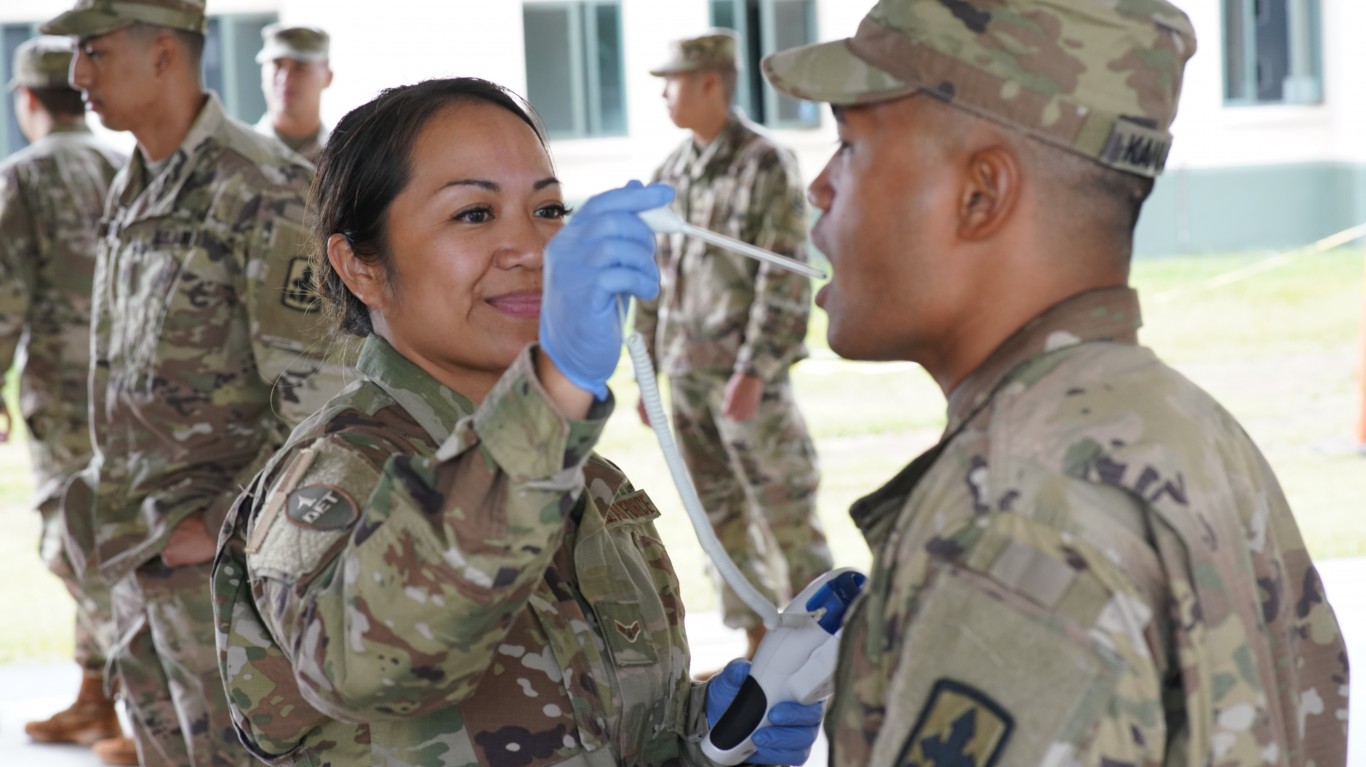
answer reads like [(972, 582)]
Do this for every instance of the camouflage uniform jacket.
[(309, 148), (717, 311), (51, 196), (429, 584), (205, 333), (1095, 566)]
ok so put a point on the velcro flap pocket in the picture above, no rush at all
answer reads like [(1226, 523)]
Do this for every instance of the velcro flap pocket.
[(1043, 681)]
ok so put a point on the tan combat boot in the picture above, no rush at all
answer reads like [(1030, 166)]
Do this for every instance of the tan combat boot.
[(91, 718), (120, 750)]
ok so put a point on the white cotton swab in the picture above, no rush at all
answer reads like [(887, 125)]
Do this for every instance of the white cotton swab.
[(665, 221)]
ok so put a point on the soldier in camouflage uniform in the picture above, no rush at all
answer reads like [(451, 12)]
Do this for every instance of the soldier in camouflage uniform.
[(51, 196), (437, 570), (727, 329), (1095, 565), (294, 74), (206, 349)]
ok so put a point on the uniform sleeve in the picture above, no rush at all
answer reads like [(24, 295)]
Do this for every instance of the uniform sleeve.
[(1011, 644), (18, 264), (294, 352), (398, 609), (776, 331)]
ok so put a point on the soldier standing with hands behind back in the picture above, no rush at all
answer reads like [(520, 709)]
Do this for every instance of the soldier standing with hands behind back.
[(727, 330), (1095, 565), (206, 350), (294, 74), (51, 197)]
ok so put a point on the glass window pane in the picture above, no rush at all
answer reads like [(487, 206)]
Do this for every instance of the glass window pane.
[(244, 96), (1273, 49), (550, 71), (723, 13), (611, 78), (1235, 51), (213, 56), (11, 36), (793, 25)]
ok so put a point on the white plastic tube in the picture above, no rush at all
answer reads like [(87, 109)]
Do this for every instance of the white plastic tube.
[(692, 504)]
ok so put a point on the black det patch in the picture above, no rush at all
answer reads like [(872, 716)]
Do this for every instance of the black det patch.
[(299, 292), (321, 507), (959, 727)]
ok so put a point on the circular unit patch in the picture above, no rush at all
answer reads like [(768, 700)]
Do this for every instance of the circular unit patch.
[(321, 507)]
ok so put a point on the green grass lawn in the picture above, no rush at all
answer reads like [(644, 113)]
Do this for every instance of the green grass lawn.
[(1279, 349)]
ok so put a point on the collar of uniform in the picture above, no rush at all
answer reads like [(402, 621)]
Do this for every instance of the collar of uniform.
[(719, 149), (436, 407), (71, 127), (206, 125), (1110, 314)]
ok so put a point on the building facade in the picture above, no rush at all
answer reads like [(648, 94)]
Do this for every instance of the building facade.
[(1269, 150)]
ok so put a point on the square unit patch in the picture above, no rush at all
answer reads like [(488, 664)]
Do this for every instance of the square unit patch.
[(959, 727), (299, 291)]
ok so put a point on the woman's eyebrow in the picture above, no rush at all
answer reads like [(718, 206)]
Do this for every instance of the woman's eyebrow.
[(493, 186), (482, 183)]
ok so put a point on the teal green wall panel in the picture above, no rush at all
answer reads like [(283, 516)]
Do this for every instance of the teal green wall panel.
[(1250, 208)]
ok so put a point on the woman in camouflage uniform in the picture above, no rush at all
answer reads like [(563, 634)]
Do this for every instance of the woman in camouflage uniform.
[(426, 580)]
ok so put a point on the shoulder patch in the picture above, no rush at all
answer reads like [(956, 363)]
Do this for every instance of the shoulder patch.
[(321, 507), (959, 727), (298, 291)]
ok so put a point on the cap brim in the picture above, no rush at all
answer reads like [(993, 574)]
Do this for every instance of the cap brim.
[(271, 54), (831, 73), (84, 22), (674, 69)]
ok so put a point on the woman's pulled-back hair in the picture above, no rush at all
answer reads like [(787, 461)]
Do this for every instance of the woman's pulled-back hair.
[(367, 163)]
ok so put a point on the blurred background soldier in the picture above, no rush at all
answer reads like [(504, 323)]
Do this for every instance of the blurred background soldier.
[(294, 74), (204, 353), (1095, 565), (727, 329), (51, 197)]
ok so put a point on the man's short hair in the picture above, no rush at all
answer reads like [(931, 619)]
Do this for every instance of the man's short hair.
[(191, 42), (60, 102)]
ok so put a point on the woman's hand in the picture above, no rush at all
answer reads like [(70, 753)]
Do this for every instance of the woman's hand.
[(605, 252)]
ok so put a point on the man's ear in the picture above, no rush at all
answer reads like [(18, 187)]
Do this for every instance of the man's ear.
[(365, 281), (992, 185), (711, 81), (165, 50)]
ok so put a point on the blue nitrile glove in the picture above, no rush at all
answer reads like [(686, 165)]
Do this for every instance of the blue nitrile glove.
[(605, 251), (792, 727)]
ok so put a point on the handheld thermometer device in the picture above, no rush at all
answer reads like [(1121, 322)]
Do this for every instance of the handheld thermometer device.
[(796, 659)]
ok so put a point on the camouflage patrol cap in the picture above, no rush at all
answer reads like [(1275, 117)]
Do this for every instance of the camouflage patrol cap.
[(92, 18), (307, 44), (713, 50), (42, 62), (1097, 77)]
